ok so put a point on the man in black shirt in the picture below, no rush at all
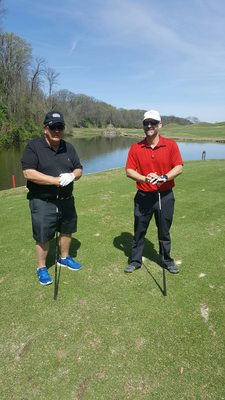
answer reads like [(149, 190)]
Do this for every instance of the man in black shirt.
[(51, 165)]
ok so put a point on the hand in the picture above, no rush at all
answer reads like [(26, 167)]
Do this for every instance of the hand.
[(162, 179), (151, 177), (66, 179), (157, 179)]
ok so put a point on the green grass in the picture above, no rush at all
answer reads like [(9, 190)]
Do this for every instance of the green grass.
[(112, 336), (87, 132), (194, 132), (200, 131)]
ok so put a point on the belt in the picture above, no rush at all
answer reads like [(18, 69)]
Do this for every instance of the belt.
[(64, 198), (46, 197), (154, 192)]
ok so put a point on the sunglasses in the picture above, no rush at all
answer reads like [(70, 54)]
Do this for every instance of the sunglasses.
[(56, 127), (151, 122)]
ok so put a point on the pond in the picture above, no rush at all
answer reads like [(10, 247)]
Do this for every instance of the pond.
[(99, 154)]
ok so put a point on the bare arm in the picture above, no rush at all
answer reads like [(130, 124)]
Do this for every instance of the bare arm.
[(173, 173), (132, 174), (78, 173), (40, 178)]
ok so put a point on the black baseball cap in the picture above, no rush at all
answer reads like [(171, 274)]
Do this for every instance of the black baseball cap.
[(54, 117)]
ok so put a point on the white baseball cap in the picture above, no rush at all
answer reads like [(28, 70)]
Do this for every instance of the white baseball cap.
[(152, 114)]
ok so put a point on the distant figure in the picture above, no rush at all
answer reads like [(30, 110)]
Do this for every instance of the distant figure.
[(203, 155)]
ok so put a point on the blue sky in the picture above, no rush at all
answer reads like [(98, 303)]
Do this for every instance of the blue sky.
[(167, 55)]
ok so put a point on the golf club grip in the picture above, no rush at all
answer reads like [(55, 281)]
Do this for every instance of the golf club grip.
[(161, 244), (164, 283), (56, 283)]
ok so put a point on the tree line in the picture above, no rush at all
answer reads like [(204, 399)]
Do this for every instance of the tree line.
[(28, 90)]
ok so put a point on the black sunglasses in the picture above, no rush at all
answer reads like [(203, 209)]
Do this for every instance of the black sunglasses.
[(57, 127), (151, 122)]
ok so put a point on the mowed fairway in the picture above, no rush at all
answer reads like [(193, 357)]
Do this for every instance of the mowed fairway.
[(112, 336), (201, 131)]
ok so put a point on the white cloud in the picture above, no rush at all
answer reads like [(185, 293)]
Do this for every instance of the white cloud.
[(198, 35), (133, 53), (73, 46)]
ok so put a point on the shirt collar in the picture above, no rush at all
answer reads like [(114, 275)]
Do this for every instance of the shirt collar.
[(161, 142), (60, 148)]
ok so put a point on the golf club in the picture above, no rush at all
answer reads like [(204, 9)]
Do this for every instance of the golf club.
[(57, 274), (161, 244)]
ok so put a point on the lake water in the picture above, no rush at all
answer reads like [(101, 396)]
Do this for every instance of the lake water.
[(99, 154)]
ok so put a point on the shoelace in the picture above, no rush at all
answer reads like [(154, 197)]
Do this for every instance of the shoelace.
[(43, 273)]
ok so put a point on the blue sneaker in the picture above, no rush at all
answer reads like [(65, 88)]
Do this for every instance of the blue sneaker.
[(43, 276), (70, 263)]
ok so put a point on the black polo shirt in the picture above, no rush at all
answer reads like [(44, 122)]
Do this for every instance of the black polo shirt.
[(40, 156)]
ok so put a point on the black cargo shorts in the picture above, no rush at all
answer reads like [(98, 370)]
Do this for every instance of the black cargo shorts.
[(49, 216)]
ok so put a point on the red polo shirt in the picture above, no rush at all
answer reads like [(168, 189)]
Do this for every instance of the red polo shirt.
[(144, 159)]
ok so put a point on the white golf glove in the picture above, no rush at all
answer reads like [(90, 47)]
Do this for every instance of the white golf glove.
[(158, 179), (66, 179)]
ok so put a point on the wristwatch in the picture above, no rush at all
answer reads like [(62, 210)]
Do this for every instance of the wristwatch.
[(165, 177)]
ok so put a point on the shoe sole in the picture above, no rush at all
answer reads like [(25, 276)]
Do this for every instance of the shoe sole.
[(46, 284), (66, 266), (172, 271), (132, 270)]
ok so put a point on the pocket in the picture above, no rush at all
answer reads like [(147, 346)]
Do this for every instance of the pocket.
[(34, 205)]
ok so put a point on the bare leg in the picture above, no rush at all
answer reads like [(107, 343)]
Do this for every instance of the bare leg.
[(41, 253), (64, 244)]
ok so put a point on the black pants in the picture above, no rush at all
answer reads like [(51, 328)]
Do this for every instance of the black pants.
[(145, 205)]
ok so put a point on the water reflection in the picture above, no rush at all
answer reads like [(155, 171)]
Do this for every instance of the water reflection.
[(193, 151), (95, 147), (96, 154), (100, 153)]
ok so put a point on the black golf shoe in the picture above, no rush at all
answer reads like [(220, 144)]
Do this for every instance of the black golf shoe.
[(172, 269), (131, 268)]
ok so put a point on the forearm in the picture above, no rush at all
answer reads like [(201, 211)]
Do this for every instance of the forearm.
[(173, 173), (78, 173), (39, 178), (132, 174)]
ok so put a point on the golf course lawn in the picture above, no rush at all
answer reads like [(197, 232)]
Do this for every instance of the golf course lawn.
[(111, 335), (194, 132)]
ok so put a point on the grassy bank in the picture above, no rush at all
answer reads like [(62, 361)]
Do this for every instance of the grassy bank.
[(194, 132), (112, 336)]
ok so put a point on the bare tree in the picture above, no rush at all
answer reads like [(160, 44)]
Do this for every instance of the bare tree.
[(51, 76), (37, 72)]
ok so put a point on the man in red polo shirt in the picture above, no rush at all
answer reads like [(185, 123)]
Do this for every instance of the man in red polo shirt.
[(153, 163)]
